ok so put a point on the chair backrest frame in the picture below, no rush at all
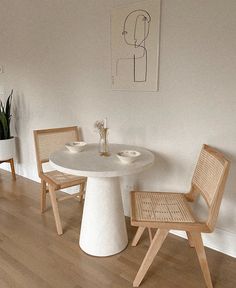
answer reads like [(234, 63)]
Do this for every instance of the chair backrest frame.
[(209, 181), (58, 137)]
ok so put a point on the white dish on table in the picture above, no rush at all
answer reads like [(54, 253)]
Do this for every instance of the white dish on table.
[(128, 156), (76, 146)]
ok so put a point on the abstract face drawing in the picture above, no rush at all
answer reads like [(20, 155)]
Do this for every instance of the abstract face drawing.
[(135, 32)]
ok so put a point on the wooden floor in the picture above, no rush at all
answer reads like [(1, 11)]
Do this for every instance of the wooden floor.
[(33, 256)]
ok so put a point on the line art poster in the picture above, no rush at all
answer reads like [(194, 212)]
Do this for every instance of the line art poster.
[(135, 46)]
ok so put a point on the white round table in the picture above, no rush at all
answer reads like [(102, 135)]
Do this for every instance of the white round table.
[(103, 229)]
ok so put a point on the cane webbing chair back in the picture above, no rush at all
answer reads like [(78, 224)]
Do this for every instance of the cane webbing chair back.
[(171, 211), (48, 141), (209, 180), (208, 174)]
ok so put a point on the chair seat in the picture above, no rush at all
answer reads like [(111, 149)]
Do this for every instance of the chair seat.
[(162, 207), (171, 211), (63, 180)]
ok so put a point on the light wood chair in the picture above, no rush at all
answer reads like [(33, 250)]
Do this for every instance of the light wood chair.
[(46, 142), (171, 211), (11, 162)]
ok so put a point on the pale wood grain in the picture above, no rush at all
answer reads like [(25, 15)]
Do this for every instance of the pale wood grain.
[(32, 255)]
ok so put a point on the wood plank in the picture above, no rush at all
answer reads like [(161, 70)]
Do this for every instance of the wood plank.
[(33, 255)]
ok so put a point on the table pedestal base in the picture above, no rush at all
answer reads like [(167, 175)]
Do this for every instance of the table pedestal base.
[(103, 229)]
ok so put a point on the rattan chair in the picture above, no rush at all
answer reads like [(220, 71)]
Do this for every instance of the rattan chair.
[(46, 142), (171, 211)]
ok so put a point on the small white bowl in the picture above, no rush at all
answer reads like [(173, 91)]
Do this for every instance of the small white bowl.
[(75, 146), (128, 156)]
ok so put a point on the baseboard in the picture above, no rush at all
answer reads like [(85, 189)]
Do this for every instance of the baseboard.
[(220, 240)]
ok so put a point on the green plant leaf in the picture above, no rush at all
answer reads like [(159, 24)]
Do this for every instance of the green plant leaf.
[(4, 124), (1, 131), (8, 112), (8, 105), (5, 118), (1, 107)]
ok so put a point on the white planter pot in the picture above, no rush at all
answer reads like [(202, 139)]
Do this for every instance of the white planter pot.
[(7, 149)]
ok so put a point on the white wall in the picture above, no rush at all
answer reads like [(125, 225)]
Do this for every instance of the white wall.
[(56, 57)]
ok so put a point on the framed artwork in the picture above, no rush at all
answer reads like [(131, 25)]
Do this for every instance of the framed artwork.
[(135, 46)]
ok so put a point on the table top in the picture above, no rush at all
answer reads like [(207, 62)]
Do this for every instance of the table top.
[(90, 164)]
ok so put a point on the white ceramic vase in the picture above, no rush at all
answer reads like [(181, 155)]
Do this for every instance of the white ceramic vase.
[(7, 149)]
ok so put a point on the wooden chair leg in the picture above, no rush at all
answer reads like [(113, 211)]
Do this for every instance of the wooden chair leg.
[(198, 244), (43, 196), (156, 244), (13, 173), (138, 235), (82, 192), (150, 234), (190, 240), (53, 198)]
